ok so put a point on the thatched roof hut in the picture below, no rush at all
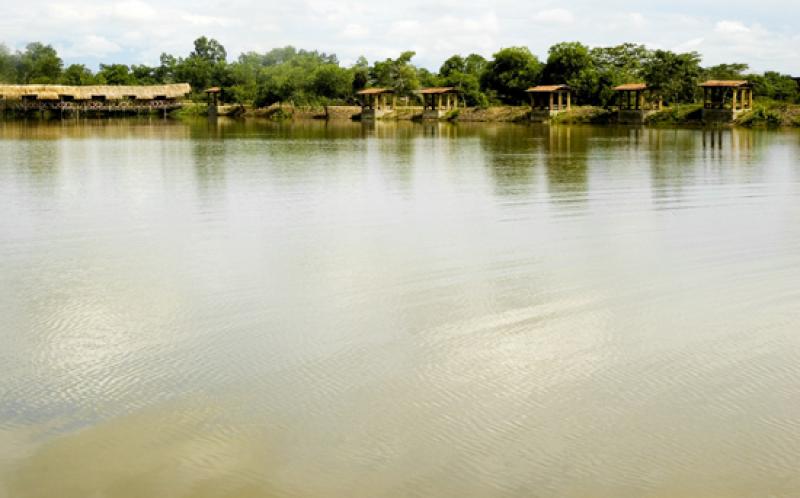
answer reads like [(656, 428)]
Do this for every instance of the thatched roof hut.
[(107, 92)]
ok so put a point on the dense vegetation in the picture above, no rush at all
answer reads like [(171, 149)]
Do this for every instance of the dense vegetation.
[(311, 77)]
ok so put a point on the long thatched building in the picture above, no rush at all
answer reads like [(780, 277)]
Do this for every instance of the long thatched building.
[(98, 98)]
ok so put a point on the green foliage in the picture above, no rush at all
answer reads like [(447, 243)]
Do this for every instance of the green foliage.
[(209, 50), (678, 114), (360, 74), (760, 116), (673, 76), (512, 71), (38, 64), (733, 71), (8, 65), (398, 74), (115, 74), (565, 62), (464, 74), (144, 75), (299, 77), (78, 74), (775, 86), (331, 82)]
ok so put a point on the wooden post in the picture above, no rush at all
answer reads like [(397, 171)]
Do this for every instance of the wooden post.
[(569, 100), (455, 101), (733, 102), (551, 101), (750, 97), (394, 102), (560, 101)]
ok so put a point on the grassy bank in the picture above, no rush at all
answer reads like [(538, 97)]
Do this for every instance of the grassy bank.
[(770, 114)]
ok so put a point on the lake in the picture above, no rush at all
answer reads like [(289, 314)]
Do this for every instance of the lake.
[(248, 309)]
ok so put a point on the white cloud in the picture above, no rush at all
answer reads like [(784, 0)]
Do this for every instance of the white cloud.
[(637, 19), (354, 31), (133, 10), (94, 46), (731, 27), (197, 20), (554, 16)]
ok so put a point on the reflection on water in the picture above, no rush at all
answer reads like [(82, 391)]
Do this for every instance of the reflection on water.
[(249, 309)]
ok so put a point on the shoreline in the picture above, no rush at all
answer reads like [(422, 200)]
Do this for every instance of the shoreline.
[(764, 115)]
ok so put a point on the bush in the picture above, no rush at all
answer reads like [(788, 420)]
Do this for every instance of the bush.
[(760, 116), (677, 114)]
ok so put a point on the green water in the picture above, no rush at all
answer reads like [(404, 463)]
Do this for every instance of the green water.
[(311, 310)]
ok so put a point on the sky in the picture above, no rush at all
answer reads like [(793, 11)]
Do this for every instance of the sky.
[(763, 33)]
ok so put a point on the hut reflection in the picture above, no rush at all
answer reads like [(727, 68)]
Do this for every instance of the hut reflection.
[(566, 158), (510, 153)]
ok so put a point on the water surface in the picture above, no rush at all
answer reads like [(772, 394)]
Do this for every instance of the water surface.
[(253, 309)]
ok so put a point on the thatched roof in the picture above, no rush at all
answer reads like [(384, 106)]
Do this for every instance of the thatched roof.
[(631, 87), (110, 92), (374, 91), (548, 88), (725, 84), (438, 90)]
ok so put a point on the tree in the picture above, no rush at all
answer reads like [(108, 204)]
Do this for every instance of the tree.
[(144, 75), (398, 74), (360, 74), (115, 74), (565, 61), (209, 50), (475, 64), (673, 76), (332, 82), (774, 85), (206, 65), (78, 74), (8, 65), (39, 64), (510, 73), (464, 74), (165, 72), (733, 71)]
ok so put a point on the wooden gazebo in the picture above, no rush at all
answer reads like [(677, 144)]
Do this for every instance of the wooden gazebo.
[(213, 100), (438, 101), (549, 100), (724, 99), (635, 102), (375, 102)]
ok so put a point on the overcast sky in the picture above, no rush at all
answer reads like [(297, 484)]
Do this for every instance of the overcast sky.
[(764, 33)]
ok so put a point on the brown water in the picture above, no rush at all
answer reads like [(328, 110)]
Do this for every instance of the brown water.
[(402, 310)]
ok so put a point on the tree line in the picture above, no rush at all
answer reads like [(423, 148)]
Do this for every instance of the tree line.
[(310, 77)]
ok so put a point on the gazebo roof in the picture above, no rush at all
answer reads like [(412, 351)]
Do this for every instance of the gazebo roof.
[(436, 90), (631, 87), (374, 91), (547, 88), (725, 84)]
